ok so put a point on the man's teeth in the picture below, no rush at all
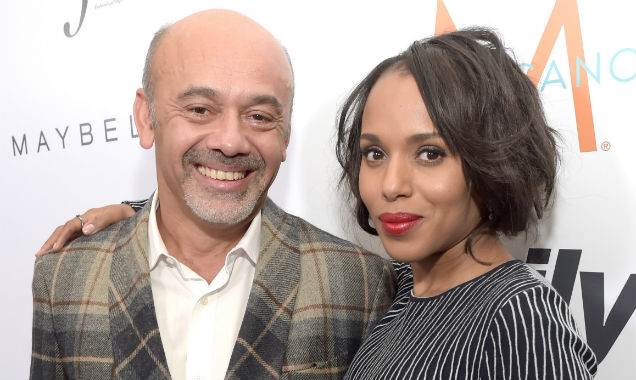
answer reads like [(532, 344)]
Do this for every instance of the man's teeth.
[(220, 174)]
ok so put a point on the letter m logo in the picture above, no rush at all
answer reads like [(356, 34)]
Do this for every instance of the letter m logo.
[(564, 14)]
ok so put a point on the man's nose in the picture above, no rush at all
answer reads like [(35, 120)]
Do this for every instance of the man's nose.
[(230, 136), (397, 180)]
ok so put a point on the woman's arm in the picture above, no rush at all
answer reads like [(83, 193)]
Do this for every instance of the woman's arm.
[(93, 220)]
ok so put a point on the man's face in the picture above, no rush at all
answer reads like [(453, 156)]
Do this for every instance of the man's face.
[(222, 118)]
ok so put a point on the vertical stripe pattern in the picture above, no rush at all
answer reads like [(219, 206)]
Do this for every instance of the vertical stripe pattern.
[(508, 323)]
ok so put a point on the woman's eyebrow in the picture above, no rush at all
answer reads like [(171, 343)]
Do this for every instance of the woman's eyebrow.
[(421, 137), (371, 137), (411, 139)]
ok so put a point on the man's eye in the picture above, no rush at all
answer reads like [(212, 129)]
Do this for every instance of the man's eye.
[(260, 117), (199, 110)]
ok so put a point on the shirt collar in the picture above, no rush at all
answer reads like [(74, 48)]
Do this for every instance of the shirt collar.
[(249, 243)]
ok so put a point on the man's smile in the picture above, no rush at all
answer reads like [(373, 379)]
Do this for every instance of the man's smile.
[(220, 174)]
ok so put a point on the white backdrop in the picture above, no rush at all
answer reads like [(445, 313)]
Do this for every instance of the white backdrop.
[(66, 142)]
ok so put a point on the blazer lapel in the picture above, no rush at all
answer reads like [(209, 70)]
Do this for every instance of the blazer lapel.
[(259, 351), (137, 349)]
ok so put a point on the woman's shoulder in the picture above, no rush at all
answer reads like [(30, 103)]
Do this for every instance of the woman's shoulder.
[(404, 276), (508, 283), (518, 281), (402, 269), (532, 314)]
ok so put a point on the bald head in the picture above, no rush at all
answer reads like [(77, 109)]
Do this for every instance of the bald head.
[(216, 107), (219, 38)]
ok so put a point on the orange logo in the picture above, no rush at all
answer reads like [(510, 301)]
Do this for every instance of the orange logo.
[(564, 14)]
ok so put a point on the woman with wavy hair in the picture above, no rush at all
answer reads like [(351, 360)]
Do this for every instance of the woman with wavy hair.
[(445, 149)]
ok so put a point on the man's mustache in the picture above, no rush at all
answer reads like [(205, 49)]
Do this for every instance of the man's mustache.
[(207, 157)]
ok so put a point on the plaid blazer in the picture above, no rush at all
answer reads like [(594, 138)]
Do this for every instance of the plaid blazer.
[(313, 300)]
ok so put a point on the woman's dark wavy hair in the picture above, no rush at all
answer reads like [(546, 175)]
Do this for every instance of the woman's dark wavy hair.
[(489, 114)]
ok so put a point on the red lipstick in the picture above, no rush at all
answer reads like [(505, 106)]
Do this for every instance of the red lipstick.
[(399, 223)]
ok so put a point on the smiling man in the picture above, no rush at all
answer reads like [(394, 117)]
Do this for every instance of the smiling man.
[(210, 279)]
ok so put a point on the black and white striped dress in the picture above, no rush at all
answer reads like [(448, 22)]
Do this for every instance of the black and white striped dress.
[(508, 323)]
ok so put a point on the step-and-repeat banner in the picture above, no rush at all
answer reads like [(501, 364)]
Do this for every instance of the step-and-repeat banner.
[(68, 142)]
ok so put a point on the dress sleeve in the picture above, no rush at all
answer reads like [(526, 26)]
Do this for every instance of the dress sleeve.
[(533, 336), (137, 205)]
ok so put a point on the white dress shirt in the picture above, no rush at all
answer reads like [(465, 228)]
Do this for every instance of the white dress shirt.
[(199, 322)]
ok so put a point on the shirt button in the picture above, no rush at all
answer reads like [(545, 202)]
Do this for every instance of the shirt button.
[(170, 261), (204, 300)]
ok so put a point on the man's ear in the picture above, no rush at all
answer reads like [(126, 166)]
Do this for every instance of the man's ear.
[(286, 143), (141, 111)]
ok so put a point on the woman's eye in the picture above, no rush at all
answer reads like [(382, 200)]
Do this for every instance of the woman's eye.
[(373, 155), (431, 155)]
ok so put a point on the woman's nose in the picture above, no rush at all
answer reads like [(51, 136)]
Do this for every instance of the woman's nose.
[(397, 180)]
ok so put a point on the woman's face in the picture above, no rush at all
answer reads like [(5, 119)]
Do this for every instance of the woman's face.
[(412, 185)]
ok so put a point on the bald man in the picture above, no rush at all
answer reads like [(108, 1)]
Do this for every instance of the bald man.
[(210, 280)]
